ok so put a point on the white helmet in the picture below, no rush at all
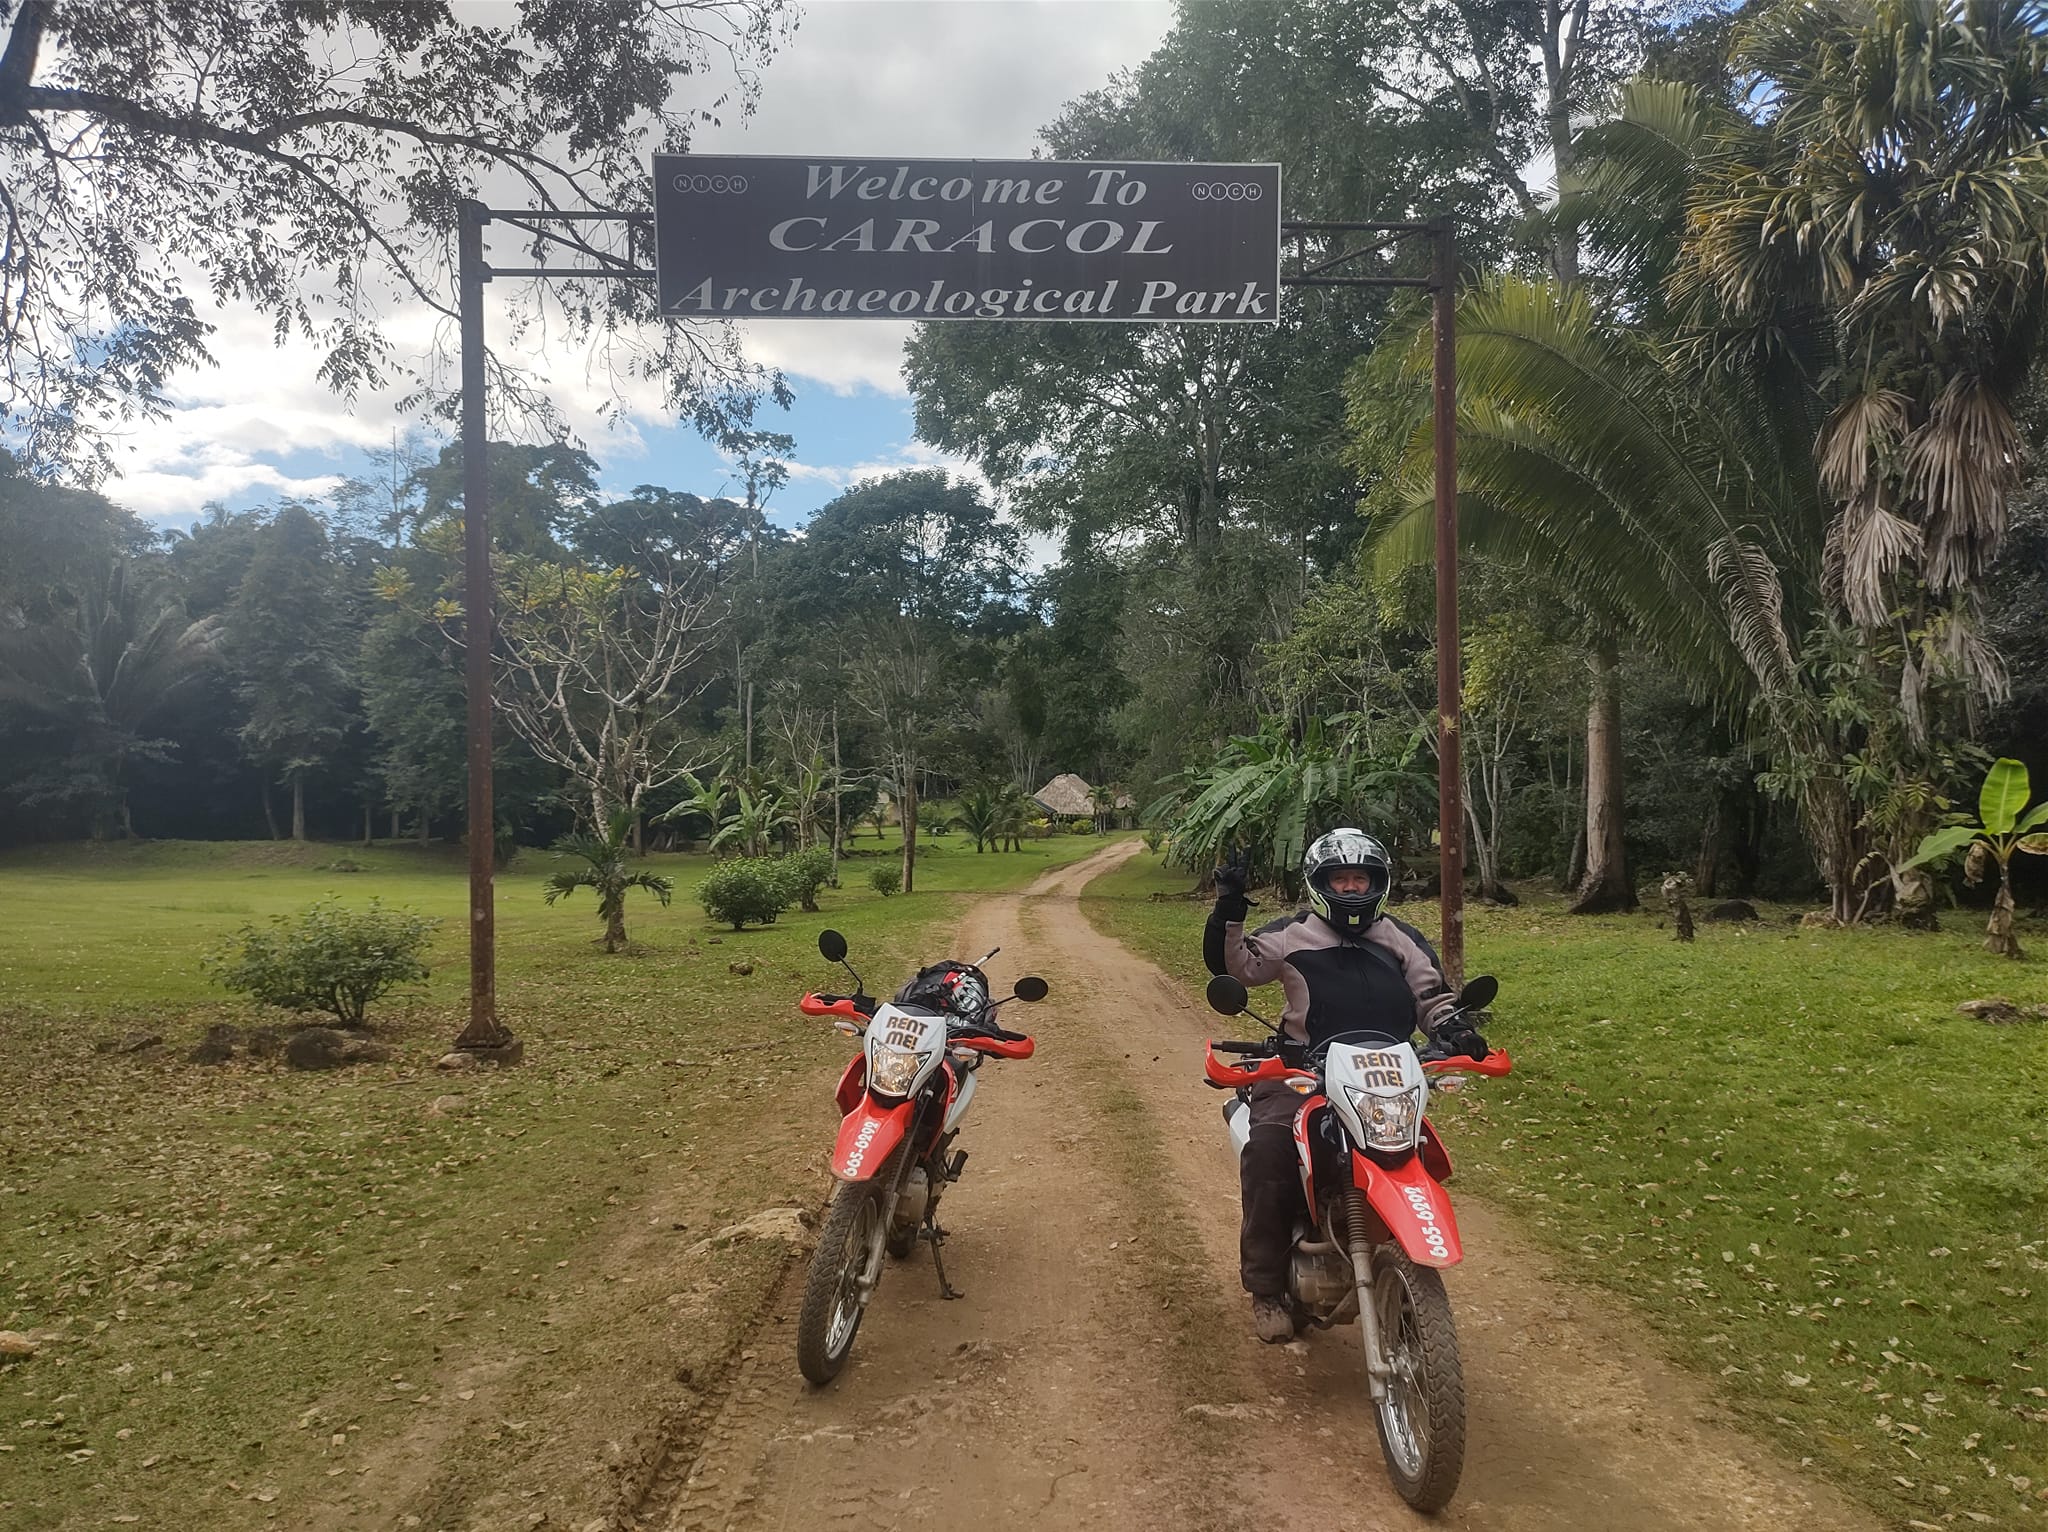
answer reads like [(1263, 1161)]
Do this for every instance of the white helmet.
[(1349, 913), (967, 994)]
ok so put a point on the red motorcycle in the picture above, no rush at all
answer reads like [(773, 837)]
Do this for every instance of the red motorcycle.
[(903, 1097), (1378, 1224)]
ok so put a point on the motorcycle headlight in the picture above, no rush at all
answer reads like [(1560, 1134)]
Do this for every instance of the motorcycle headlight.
[(891, 1070), (1391, 1122)]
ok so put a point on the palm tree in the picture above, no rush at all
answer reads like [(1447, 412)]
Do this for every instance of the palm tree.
[(980, 816), (1013, 813), (103, 667), (1685, 509), (1896, 200), (1660, 463), (608, 871), (1266, 792)]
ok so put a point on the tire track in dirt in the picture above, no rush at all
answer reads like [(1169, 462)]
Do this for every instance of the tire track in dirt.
[(1100, 1371), (1572, 1419), (1031, 1401)]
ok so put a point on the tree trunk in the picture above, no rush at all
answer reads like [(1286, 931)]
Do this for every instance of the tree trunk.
[(1484, 847), (424, 831), (1605, 887), (395, 830), (127, 817), (1999, 937), (298, 806), (639, 835), (1706, 871), (369, 823), (909, 810), (269, 814), (615, 930), (838, 787)]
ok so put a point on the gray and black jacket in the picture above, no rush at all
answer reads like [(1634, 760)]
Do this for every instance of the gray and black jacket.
[(1387, 978)]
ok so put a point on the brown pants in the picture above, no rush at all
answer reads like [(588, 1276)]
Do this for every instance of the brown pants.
[(1269, 1180)]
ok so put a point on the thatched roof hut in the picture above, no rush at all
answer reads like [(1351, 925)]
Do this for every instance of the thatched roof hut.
[(1066, 795)]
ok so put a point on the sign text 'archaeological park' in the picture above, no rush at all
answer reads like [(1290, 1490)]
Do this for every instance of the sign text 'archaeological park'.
[(755, 237)]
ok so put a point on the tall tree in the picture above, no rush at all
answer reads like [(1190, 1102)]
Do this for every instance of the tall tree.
[(99, 668), (304, 161), (1894, 198), (913, 578), (288, 646), (602, 660), (56, 538)]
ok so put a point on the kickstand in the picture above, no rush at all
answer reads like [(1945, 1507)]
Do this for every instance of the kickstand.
[(936, 1237)]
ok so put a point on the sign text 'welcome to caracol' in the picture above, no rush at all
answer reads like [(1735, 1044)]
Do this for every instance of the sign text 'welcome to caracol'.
[(751, 237)]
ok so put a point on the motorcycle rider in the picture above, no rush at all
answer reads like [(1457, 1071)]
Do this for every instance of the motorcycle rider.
[(1343, 965)]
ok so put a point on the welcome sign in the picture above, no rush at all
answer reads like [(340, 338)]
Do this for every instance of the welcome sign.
[(760, 237)]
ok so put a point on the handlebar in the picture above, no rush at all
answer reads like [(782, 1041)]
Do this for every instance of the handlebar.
[(1283, 1059), (1496, 1063), (859, 1008), (1010, 1045)]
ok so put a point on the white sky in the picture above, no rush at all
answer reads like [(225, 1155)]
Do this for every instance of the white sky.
[(930, 77)]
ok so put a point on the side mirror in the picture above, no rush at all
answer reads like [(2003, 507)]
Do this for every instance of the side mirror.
[(1031, 988), (833, 946), (1228, 995), (1479, 993)]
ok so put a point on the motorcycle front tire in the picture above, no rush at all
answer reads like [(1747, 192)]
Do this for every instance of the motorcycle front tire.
[(833, 1305), (1422, 1421)]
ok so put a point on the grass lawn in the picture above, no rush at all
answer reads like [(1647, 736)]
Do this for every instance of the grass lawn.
[(270, 1298), (1822, 1185)]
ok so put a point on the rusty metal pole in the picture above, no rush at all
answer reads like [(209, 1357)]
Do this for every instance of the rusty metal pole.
[(1449, 659), (483, 1034)]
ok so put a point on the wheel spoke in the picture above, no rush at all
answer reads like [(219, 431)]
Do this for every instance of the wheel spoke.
[(1404, 1411), (848, 1302)]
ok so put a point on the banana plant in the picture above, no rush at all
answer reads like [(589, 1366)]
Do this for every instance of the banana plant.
[(758, 813), (2004, 828), (703, 799)]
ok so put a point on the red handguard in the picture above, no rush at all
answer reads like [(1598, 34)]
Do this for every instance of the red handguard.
[(1219, 1071), (817, 1005), (998, 1047), (1496, 1062)]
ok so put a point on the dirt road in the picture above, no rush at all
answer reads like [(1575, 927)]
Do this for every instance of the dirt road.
[(1099, 1372)]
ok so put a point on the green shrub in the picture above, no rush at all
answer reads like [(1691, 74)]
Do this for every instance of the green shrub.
[(804, 873), (744, 889), (325, 958), (886, 880), (1154, 839)]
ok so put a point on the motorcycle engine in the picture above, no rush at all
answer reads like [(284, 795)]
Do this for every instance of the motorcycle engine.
[(911, 1206), (1320, 1281)]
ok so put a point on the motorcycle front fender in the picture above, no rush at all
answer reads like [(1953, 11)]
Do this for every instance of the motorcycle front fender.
[(1414, 1206), (867, 1136)]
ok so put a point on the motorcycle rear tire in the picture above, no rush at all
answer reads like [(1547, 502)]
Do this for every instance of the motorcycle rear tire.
[(824, 1331), (1425, 1473)]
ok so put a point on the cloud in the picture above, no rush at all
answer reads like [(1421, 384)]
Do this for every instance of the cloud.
[(962, 79), (844, 357), (898, 457), (936, 78)]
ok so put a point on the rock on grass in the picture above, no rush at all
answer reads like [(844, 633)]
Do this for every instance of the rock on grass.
[(326, 1048)]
